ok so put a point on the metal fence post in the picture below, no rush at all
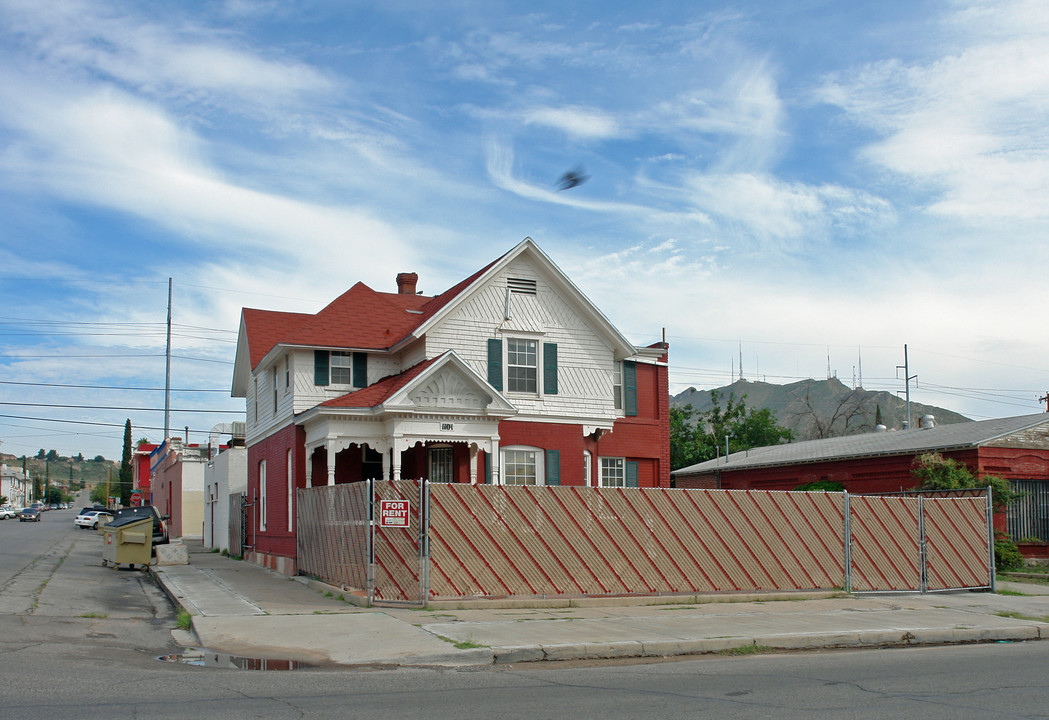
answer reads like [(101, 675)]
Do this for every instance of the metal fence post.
[(371, 541), (923, 551), (847, 538), (424, 541), (990, 538)]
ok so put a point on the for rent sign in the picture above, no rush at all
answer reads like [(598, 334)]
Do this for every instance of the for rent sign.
[(393, 513)]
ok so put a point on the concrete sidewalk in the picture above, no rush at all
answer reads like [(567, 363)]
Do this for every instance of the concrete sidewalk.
[(246, 610)]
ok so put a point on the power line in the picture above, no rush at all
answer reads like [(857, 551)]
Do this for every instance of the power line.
[(92, 423), (116, 407), (107, 387)]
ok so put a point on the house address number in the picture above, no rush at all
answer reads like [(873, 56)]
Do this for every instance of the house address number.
[(447, 426)]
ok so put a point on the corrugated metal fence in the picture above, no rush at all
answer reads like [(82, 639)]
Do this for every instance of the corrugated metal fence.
[(461, 541)]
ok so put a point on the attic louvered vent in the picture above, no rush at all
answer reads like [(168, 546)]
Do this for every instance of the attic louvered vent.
[(521, 286)]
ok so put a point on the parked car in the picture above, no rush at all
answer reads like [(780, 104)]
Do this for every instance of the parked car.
[(29, 514), (92, 518), (160, 528), (8, 512)]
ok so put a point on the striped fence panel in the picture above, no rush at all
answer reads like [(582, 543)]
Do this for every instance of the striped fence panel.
[(398, 565), (494, 541), (885, 548), (501, 541), (332, 536), (958, 547)]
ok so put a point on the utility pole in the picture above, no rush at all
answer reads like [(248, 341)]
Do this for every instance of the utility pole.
[(167, 372), (908, 377)]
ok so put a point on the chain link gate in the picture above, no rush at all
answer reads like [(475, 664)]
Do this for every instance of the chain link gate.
[(914, 543)]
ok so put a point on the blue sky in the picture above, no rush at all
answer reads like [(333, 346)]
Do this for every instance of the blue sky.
[(781, 182)]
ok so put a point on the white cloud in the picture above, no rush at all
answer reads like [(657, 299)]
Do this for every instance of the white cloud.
[(970, 125), (578, 122), (109, 149), (157, 59), (782, 214)]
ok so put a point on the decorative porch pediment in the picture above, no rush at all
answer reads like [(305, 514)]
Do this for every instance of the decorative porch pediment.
[(449, 385)]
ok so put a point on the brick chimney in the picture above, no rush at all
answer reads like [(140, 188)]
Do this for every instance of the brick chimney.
[(406, 283)]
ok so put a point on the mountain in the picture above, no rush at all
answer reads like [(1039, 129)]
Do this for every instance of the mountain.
[(819, 408)]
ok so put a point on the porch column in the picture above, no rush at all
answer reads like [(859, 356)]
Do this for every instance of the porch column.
[(495, 462), (309, 468), (473, 463), (331, 462), (396, 448)]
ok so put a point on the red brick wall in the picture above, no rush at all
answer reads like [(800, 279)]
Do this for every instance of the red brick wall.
[(277, 539)]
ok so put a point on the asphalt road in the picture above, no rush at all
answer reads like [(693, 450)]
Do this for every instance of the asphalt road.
[(78, 640)]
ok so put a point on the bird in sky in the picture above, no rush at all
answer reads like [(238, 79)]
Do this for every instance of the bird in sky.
[(572, 178)]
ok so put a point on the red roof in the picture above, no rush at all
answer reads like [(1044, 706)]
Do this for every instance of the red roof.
[(378, 393), (359, 319)]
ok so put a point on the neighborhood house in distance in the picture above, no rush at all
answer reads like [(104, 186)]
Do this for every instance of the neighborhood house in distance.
[(511, 377)]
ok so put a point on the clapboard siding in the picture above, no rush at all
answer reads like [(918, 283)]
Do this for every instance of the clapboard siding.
[(585, 359)]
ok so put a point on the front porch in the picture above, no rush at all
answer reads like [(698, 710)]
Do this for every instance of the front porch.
[(438, 420), (460, 461)]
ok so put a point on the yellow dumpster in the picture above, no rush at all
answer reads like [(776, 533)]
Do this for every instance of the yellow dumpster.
[(127, 541)]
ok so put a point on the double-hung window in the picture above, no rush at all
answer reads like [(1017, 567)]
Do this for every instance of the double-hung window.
[(262, 496), (613, 472), (341, 367), (519, 467), (522, 365)]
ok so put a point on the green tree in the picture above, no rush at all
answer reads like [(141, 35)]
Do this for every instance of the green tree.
[(686, 443), (125, 477), (52, 456), (933, 471), (41, 454), (98, 494), (695, 442)]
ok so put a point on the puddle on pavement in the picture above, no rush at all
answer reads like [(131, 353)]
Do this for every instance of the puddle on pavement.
[(204, 658)]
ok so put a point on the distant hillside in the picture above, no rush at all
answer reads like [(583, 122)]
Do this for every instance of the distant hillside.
[(86, 472), (806, 405)]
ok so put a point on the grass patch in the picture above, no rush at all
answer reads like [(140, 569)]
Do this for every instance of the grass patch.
[(1020, 616), (746, 650), (1014, 593), (184, 621), (99, 616), (462, 644)]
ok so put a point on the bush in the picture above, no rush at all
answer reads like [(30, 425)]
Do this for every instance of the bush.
[(1006, 555), (821, 486)]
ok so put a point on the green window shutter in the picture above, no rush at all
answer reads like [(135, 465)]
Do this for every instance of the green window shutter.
[(320, 367), (360, 369), (495, 363), (631, 474), (550, 368), (487, 468), (630, 387), (553, 467)]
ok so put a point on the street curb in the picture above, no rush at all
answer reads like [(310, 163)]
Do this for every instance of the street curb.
[(812, 641)]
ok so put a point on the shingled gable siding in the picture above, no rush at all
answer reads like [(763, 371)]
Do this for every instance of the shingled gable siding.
[(584, 359)]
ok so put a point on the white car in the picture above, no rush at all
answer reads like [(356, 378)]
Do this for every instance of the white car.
[(92, 519), (7, 512)]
